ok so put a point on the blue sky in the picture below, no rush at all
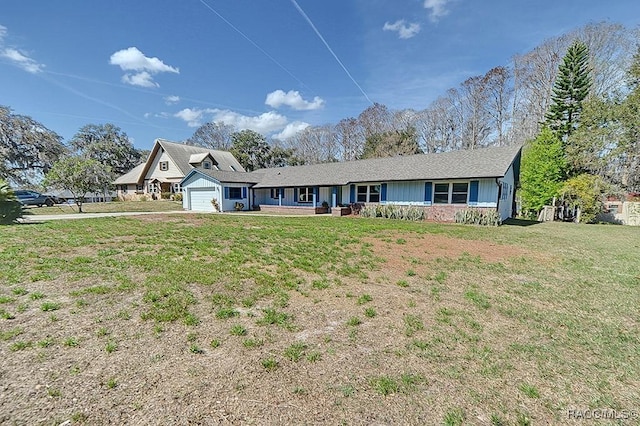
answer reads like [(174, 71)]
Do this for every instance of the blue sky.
[(160, 68)]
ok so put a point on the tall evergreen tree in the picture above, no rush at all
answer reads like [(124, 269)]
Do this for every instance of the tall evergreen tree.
[(542, 171), (571, 88)]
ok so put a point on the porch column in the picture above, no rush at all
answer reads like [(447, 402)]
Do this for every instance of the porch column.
[(279, 198)]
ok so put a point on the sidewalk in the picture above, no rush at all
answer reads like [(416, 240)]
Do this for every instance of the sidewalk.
[(47, 217)]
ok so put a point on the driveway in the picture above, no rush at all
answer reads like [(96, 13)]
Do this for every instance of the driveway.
[(46, 217)]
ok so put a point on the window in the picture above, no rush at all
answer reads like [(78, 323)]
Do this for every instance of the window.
[(459, 193), (450, 193), (441, 193), (176, 188), (368, 194), (123, 188), (362, 194), (164, 166), (206, 165), (153, 188), (139, 187), (232, 168), (235, 193), (276, 193), (305, 195)]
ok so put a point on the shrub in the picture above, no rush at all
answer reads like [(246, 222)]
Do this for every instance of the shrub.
[(478, 217), (165, 195), (177, 197), (586, 192), (393, 211), (214, 203), (10, 208)]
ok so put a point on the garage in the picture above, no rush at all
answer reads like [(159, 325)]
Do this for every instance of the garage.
[(201, 199)]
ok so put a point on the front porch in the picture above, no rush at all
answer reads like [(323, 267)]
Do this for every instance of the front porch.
[(294, 210)]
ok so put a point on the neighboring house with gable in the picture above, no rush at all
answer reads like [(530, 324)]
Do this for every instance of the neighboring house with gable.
[(167, 165), (441, 183)]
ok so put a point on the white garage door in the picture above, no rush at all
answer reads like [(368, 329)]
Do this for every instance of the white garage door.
[(201, 199)]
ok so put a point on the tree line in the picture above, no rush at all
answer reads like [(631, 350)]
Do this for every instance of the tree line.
[(511, 104)]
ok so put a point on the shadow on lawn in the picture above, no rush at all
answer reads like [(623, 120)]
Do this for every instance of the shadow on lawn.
[(520, 222)]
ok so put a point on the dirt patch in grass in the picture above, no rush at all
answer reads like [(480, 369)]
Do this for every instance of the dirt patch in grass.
[(402, 252)]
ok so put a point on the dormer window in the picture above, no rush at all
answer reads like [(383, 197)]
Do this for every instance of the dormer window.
[(164, 166), (206, 165), (232, 168)]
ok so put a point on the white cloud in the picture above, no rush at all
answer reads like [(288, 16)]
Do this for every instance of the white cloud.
[(293, 99), (170, 100), (404, 31), (143, 79), (145, 68), (437, 9), (17, 57), (265, 124), (193, 117), (291, 129)]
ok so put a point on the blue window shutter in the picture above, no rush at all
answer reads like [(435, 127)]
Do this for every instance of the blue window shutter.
[(428, 187), (226, 192), (295, 195), (352, 194), (244, 192), (473, 192), (383, 192)]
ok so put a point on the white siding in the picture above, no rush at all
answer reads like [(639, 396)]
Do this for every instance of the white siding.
[(405, 192), (324, 195), (487, 193), (507, 194), (263, 196), (196, 188), (154, 171), (345, 195), (230, 205)]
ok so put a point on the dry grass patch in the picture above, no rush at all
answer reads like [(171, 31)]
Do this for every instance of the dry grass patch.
[(239, 319)]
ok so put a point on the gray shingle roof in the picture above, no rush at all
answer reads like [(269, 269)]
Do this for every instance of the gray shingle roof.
[(479, 163), (233, 177), (181, 154), (131, 177)]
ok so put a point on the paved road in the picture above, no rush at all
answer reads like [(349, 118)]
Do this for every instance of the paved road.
[(47, 217)]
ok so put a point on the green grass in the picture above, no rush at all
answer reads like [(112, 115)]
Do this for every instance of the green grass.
[(557, 301), (238, 330), (134, 206), (49, 306), (296, 351), (272, 316), (412, 324), (365, 298), (270, 364), (354, 321)]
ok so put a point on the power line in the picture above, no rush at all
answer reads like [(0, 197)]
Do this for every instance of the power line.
[(246, 37), (304, 15)]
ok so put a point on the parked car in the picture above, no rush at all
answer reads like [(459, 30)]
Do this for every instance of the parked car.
[(33, 198)]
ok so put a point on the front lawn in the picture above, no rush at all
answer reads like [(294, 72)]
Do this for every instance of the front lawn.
[(266, 320), (109, 207)]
